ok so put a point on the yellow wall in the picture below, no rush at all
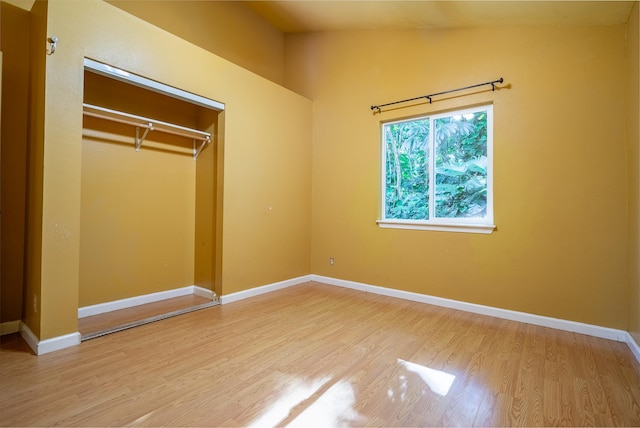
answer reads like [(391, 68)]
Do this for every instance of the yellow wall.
[(559, 162), (32, 307), (266, 153), (633, 48), (15, 90), (226, 28)]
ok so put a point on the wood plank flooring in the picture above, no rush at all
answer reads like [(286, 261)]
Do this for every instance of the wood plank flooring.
[(318, 355), (109, 322)]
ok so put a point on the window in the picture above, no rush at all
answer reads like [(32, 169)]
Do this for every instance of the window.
[(437, 172)]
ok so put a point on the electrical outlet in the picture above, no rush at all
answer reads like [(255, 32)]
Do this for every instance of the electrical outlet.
[(331, 261), (35, 303)]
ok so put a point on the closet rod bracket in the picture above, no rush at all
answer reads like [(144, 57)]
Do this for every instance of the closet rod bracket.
[(140, 123), (197, 150), (140, 139)]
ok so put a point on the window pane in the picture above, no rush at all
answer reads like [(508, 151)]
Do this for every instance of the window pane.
[(461, 165), (407, 160)]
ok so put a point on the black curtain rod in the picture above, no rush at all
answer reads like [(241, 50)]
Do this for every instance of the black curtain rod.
[(428, 97)]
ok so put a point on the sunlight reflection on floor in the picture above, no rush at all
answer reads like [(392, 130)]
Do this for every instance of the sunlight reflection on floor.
[(331, 409), (439, 381), (331, 402), (293, 395), (142, 418)]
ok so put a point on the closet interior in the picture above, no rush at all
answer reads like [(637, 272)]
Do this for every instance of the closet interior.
[(150, 204)]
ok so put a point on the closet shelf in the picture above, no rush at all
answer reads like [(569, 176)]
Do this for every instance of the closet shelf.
[(147, 125)]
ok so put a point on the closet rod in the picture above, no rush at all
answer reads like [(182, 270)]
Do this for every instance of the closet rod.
[(144, 122), (428, 97)]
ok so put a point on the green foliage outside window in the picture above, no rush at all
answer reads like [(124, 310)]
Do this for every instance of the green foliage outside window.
[(459, 148)]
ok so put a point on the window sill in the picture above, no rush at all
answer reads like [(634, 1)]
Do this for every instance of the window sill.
[(441, 227)]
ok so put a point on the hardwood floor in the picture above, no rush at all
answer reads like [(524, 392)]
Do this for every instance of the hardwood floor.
[(318, 355), (122, 319)]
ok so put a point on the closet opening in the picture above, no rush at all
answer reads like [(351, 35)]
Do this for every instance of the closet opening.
[(151, 201)]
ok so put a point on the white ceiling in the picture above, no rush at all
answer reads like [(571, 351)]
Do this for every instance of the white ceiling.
[(332, 15)]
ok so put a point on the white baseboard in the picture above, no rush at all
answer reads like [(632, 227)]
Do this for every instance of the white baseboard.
[(204, 292), (9, 327), (54, 344), (252, 292), (40, 347), (572, 326), (633, 345), (101, 308)]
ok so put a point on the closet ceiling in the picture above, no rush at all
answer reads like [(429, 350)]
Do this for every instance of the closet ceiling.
[(334, 15)]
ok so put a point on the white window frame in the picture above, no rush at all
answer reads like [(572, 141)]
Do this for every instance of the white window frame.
[(469, 225)]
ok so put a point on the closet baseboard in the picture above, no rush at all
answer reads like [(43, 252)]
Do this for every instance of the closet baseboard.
[(130, 302), (9, 327)]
